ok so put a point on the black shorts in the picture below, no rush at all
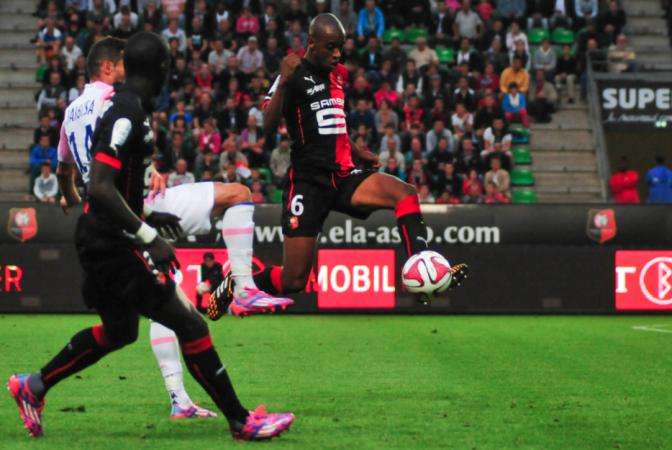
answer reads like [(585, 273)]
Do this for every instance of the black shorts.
[(309, 196), (116, 276)]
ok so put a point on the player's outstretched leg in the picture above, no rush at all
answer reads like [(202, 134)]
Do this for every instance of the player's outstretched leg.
[(84, 349), (205, 366), (167, 352), (238, 294), (381, 190)]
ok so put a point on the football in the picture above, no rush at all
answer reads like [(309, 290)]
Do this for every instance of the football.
[(427, 272)]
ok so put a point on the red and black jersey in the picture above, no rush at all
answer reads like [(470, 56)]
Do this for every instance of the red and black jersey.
[(124, 140), (313, 107)]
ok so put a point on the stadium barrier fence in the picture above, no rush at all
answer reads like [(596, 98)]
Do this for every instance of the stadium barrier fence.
[(523, 259)]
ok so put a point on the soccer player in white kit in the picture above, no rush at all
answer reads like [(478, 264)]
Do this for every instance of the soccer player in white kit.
[(194, 204)]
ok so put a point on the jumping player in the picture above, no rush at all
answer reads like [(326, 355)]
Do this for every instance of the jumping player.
[(194, 205), (118, 252), (309, 94)]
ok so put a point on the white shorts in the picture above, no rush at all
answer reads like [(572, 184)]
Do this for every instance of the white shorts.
[(192, 203)]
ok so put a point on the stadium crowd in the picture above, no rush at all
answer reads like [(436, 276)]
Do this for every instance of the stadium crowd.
[(434, 86)]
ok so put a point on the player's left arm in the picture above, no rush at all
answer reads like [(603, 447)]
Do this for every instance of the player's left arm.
[(66, 173)]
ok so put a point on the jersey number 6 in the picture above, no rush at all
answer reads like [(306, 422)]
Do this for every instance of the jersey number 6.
[(296, 205)]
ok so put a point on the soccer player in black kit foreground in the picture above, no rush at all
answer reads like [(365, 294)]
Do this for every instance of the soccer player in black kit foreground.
[(309, 94), (126, 262)]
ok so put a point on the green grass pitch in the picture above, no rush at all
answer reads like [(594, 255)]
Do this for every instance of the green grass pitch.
[(372, 382)]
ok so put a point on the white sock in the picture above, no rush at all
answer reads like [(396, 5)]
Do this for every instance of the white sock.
[(166, 348), (238, 234)]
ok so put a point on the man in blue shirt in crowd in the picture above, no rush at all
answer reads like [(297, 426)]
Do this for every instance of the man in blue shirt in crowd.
[(659, 180)]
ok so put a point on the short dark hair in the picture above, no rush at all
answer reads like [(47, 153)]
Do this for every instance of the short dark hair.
[(208, 255), (107, 49)]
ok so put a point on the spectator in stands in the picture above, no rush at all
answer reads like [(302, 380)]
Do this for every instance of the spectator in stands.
[(45, 188), (70, 52), (175, 32), (218, 56), (498, 181), (472, 188), (515, 74), (470, 56), (487, 111), (251, 143), (183, 149), (422, 54), (45, 129), (391, 150), (496, 55), (126, 26), (659, 180), (49, 41), (543, 99), (585, 10), (370, 22), (53, 94), (467, 23), (417, 175), (247, 25), (515, 35), (545, 59), (515, 105), (42, 153), (462, 121), (425, 195), (621, 56), (438, 132), (442, 24), (448, 181), (614, 16), (280, 160), (565, 74), (511, 9), (181, 175), (623, 184), (250, 57)]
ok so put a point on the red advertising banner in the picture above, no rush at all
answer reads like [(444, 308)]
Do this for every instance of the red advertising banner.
[(643, 280), (356, 279)]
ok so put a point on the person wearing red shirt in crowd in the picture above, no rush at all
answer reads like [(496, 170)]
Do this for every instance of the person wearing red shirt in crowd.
[(386, 93), (623, 184), (204, 78), (413, 113)]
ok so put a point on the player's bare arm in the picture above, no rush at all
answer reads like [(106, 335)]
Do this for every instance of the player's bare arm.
[(273, 110), (66, 175)]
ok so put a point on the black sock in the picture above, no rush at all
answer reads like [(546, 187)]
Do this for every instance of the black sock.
[(205, 366), (413, 232), (412, 228), (83, 350), (269, 280)]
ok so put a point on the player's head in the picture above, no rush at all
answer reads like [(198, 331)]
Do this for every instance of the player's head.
[(105, 61), (326, 37), (146, 59)]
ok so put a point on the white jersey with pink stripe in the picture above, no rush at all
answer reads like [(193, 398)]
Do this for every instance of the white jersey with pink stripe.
[(79, 123)]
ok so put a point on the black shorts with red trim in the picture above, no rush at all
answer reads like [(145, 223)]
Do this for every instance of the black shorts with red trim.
[(309, 196), (116, 276)]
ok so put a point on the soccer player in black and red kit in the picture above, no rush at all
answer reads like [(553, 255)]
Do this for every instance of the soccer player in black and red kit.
[(126, 262), (309, 94)]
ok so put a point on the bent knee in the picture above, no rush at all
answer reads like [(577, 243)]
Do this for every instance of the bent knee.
[(230, 194), (293, 284), (121, 337)]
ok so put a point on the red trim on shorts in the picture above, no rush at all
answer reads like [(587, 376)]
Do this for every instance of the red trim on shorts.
[(291, 188), (197, 345), (343, 151), (65, 367), (333, 180), (407, 205), (141, 258), (108, 160), (299, 118), (276, 278), (86, 208), (99, 335)]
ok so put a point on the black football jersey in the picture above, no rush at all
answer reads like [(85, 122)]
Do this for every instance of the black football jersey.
[(313, 107), (123, 139)]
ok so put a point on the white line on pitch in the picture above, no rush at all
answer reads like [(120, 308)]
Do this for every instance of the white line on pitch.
[(657, 328)]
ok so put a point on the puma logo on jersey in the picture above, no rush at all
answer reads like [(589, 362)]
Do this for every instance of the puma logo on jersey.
[(310, 78), (315, 89)]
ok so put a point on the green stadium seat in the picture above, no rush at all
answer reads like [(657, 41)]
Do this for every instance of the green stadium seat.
[(522, 177), (521, 135), (392, 33), (446, 55), (525, 196), (265, 173), (413, 34), (522, 155), (562, 36), (275, 196), (536, 35)]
